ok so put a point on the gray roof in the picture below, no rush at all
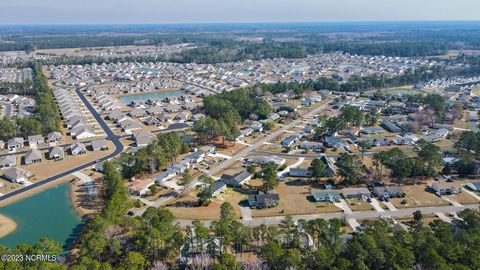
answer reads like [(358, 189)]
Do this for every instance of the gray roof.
[(32, 155), (100, 143)]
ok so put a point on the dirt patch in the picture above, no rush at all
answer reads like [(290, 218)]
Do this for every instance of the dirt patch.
[(7, 226)]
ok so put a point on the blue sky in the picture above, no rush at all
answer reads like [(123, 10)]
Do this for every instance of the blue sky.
[(191, 11)]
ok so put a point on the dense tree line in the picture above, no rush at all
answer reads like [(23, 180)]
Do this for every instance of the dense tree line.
[(47, 111), (164, 149), (226, 111), (428, 162)]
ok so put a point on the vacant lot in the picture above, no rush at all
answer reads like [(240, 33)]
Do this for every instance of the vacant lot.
[(418, 196), (186, 207), (462, 198), (359, 205), (295, 200)]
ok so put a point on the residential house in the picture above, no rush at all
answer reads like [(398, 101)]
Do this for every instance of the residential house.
[(137, 113), (356, 193), (220, 187), (299, 172), (143, 138), (8, 161), (100, 144), (236, 180), (82, 132), (290, 140), (266, 159), (172, 108), (129, 125), (388, 192), (140, 187), (308, 145), (151, 121), (56, 153), (78, 149), (257, 127), (35, 140), (263, 200), (334, 142), (373, 130), (390, 126), (327, 195), (54, 136), (32, 156), (196, 156), (14, 143), (17, 175), (445, 188)]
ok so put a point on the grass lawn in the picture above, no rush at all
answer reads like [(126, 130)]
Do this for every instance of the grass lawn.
[(462, 198), (295, 200), (418, 196), (359, 205), (186, 207)]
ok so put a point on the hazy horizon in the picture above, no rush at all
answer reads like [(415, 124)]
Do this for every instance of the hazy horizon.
[(19, 12)]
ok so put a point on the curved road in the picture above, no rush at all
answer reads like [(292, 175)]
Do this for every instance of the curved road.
[(110, 136)]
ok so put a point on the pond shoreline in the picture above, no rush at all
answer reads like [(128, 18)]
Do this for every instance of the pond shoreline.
[(7, 226)]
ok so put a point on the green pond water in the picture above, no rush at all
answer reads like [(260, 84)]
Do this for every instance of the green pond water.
[(47, 214)]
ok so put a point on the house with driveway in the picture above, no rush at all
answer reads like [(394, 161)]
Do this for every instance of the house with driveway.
[(263, 200), (356, 193), (236, 180), (78, 149), (8, 161), (99, 145), (35, 140), (388, 192), (15, 143), (17, 175), (327, 195), (32, 156), (446, 188), (56, 153)]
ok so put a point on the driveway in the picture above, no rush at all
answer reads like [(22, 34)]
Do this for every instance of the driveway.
[(246, 213), (376, 205)]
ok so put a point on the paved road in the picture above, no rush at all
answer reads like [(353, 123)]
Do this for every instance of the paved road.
[(354, 215), (110, 136)]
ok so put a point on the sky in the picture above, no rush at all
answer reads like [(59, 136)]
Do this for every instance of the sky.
[(216, 11)]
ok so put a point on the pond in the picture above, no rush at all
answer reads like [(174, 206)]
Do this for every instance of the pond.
[(49, 214)]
